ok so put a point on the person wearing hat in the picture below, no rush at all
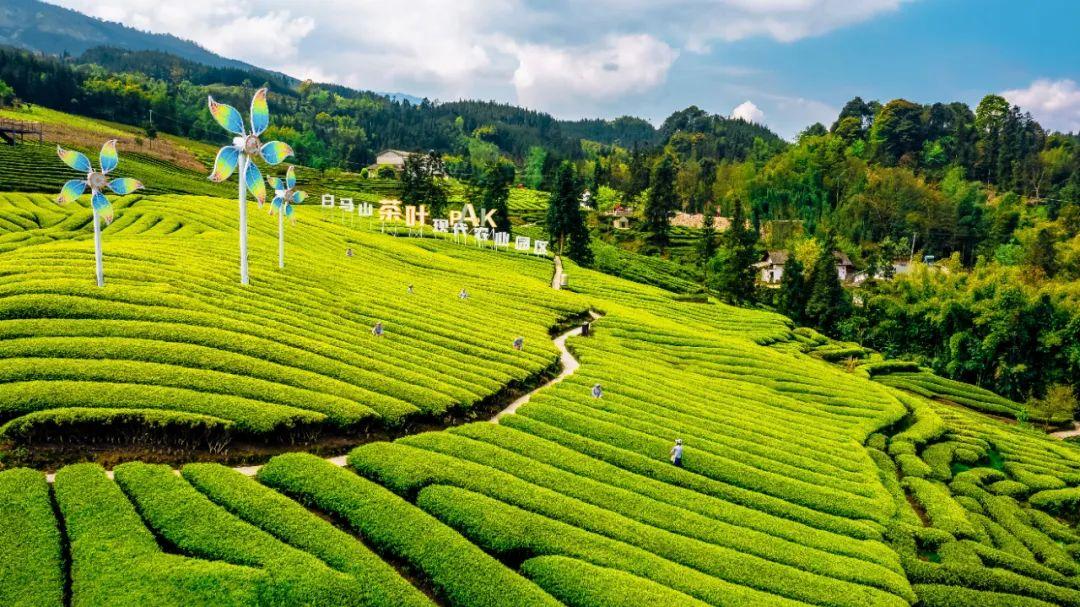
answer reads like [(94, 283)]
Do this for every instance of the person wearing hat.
[(519, 343), (676, 453), (597, 392)]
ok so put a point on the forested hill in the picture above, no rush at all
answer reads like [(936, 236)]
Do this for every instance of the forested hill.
[(54, 30), (335, 126)]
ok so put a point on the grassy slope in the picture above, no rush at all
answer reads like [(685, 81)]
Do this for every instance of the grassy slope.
[(799, 479)]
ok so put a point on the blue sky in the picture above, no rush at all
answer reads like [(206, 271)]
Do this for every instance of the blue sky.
[(785, 63)]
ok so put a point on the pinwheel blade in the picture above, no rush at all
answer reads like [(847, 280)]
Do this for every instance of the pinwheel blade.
[(108, 157), (255, 183), (276, 184), (226, 116), (225, 163), (290, 177), (125, 185), (274, 152), (71, 190), (75, 160), (299, 197), (288, 211), (260, 113), (275, 204), (102, 206)]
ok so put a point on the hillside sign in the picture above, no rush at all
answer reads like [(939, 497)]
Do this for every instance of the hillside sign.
[(457, 223)]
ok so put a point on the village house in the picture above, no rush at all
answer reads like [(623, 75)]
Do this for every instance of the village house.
[(772, 268), (621, 217), (394, 159)]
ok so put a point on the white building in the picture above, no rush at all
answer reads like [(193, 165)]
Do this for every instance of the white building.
[(772, 269), (394, 159)]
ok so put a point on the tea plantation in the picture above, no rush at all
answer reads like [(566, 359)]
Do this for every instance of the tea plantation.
[(804, 482)]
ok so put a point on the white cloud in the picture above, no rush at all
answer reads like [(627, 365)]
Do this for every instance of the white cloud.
[(748, 112), (568, 57), (559, 79), (1054, 103), (232, 29)]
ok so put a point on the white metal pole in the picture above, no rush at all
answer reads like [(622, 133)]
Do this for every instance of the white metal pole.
[(242, 197), (100, 270), (281, 235)]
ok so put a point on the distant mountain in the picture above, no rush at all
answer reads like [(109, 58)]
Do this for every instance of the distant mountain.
[(412, 99), (54, 30)]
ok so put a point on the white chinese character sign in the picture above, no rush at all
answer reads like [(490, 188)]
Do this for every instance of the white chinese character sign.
[(441, 226), (540, 247), (241, 154), (481, 235), (327, 201), (522, 243), (364, 209), (346, 205), (97, 182), (460, 230), (502, 239)]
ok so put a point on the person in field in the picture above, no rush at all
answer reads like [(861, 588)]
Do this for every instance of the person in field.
[(377, 330), (676, 453), (519, 343), (463, 295), (348, 252), (597, 392), (410, 290)]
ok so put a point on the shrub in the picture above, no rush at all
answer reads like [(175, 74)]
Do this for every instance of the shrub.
[(460, 572), (195, 525), (291, 523), (580, 584), (31, 569), (115, 560)]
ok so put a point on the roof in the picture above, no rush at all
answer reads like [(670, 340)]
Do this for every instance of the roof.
[(777, 258), (842, 259), (392, 151)]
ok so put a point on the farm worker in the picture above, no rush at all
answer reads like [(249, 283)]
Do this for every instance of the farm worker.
[(596, 391), (676, 453), (519, 343), (410, 290), (377, 329), (464, 294), (348, 252)]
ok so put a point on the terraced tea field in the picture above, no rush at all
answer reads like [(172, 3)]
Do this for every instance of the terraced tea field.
[(803, 483)]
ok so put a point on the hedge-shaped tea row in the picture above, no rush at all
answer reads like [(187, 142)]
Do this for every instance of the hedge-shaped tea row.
[(115, 560), (291, 523), (191, 522), (31, 568), (461, 572), (678, 536)]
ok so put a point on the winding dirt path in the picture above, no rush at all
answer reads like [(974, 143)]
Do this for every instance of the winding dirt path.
[(1063, 434), (569, 366)]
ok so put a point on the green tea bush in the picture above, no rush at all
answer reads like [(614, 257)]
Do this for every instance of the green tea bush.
[(291, 523), (461, 573), (31, 569)]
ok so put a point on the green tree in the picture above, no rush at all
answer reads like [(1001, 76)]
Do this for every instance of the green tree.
[(1042, 254), (662, 201), (791, 298), (827, 304), (533, 171), (707, 243), (563, 212), (731, 271), (7, 94), (495, 193)]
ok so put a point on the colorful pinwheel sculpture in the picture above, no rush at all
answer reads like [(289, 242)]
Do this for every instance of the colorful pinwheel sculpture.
[(245, 147), (97, 182), (285, 196)]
